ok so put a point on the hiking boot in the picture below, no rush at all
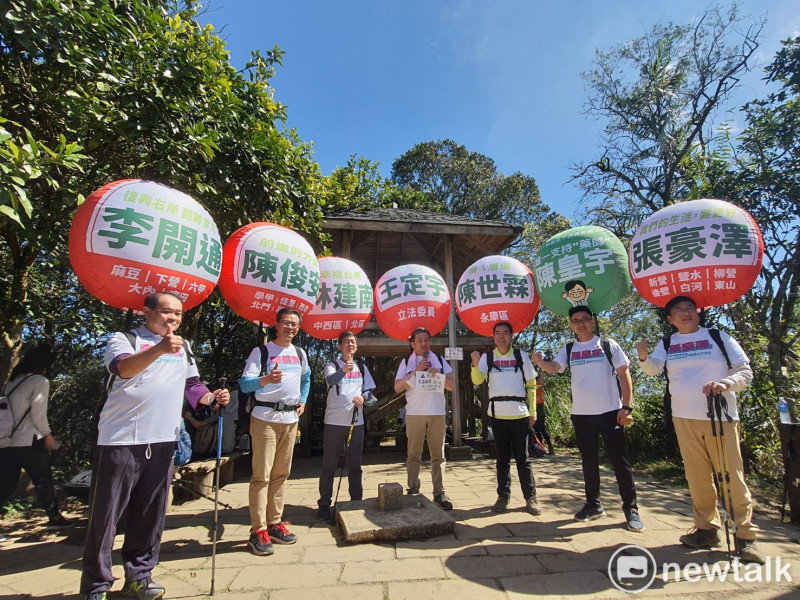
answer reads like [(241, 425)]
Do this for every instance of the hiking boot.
[(442, 501), (96, 596), (260, 544), (58, 521), (500, 505), (634, 521), (749, 552), (590, 513), (144, 589), (412, 491), (532, 506), (280, 535), (701, 538), (324, 513)]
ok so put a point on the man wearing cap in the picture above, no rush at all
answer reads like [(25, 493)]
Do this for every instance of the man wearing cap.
[(703, 362), (602, 403)]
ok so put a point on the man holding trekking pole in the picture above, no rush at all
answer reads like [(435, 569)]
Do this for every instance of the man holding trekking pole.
[(349, 386), (705, 369)]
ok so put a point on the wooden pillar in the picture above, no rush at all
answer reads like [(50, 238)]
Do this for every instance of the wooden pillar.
[(347, 236), (451, 334)]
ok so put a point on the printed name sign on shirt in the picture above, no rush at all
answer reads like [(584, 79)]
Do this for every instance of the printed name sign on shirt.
[(430, 382)]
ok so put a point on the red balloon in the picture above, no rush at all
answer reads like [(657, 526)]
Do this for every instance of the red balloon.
[(411, 296), (709, 250), (132, 237), (266, 267), (496, 289), (344, 302)]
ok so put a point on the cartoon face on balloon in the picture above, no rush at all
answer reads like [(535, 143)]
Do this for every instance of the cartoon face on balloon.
[(576, 293)]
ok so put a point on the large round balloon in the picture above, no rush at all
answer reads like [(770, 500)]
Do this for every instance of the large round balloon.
[(132, 237), (583, 266), (344, 302), (495, 289), (266, 267), (709, 250), (411, 296)]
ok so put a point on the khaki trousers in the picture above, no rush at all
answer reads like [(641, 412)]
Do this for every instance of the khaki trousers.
[(698, 449), (418, 429), (273, 447)]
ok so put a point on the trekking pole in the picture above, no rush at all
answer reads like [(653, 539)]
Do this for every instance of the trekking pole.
[(718, 466), (720, 406), (222, 383), (341, 472)]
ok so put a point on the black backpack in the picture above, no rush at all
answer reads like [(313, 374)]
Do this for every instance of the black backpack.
[(519, 367), (360, 365), (248, 401), (714, 333)]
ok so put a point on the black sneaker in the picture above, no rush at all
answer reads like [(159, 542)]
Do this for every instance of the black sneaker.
[(260, 544), (280, 535), (412, 491), (58, 521), (701, 538), (500, 505), (590, 513), (324, 513), (144, 589), (442, 501), (633, 521)]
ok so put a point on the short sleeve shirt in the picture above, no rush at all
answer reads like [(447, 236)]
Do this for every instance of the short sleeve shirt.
[(594, 384), (505, 379), (423, 403), (339, 408), (287, 391)]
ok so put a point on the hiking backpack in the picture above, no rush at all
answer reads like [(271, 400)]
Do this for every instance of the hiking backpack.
[(8, 427), (606, 345)]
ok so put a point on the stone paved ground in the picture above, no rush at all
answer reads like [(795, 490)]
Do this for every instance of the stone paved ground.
[(489, 556)]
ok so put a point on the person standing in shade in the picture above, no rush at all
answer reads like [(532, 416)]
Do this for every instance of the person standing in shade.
[(602, 403), (31, 441), (348, 388), (153, 373), (278, 373), (512, 402), (704, 362), (425, 414), (540, 427)]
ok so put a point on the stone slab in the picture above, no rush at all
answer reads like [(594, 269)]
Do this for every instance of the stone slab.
[(419, 518)]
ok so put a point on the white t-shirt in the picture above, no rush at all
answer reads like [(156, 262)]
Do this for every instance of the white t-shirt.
[(507, 382), (594, 386), (339, 408), (287, 391), (694, 359), (423, 403), (145, 409)]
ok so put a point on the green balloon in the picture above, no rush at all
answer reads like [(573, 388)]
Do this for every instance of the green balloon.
[(585, 266)]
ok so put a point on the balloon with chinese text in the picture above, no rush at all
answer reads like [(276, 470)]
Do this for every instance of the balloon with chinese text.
[(344, 302), (411, 296), (709, 250), (496, 289), (582, 266), (266, 267), (132, 238)]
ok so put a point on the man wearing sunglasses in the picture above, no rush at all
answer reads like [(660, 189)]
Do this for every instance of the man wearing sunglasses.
[(602, 403)]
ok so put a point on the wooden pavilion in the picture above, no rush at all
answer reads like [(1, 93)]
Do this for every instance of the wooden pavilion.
[(381, 239)]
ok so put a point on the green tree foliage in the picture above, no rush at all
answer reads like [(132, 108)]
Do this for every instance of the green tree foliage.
[(97, 90), (658, 95)]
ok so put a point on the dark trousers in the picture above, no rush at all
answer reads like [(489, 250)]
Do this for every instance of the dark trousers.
[(334, 438), (540, 426), (511, 440), (136, 478), (36, 461), (587, 428)]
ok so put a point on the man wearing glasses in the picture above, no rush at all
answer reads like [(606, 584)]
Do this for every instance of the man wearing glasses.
[(704, 362), (281, 384), (602, 403)]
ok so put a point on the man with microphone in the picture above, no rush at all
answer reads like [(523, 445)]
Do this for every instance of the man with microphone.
[(281, 396), (152, 373)]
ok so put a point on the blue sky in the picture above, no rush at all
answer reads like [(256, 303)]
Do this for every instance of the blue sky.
[(376, 77)]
